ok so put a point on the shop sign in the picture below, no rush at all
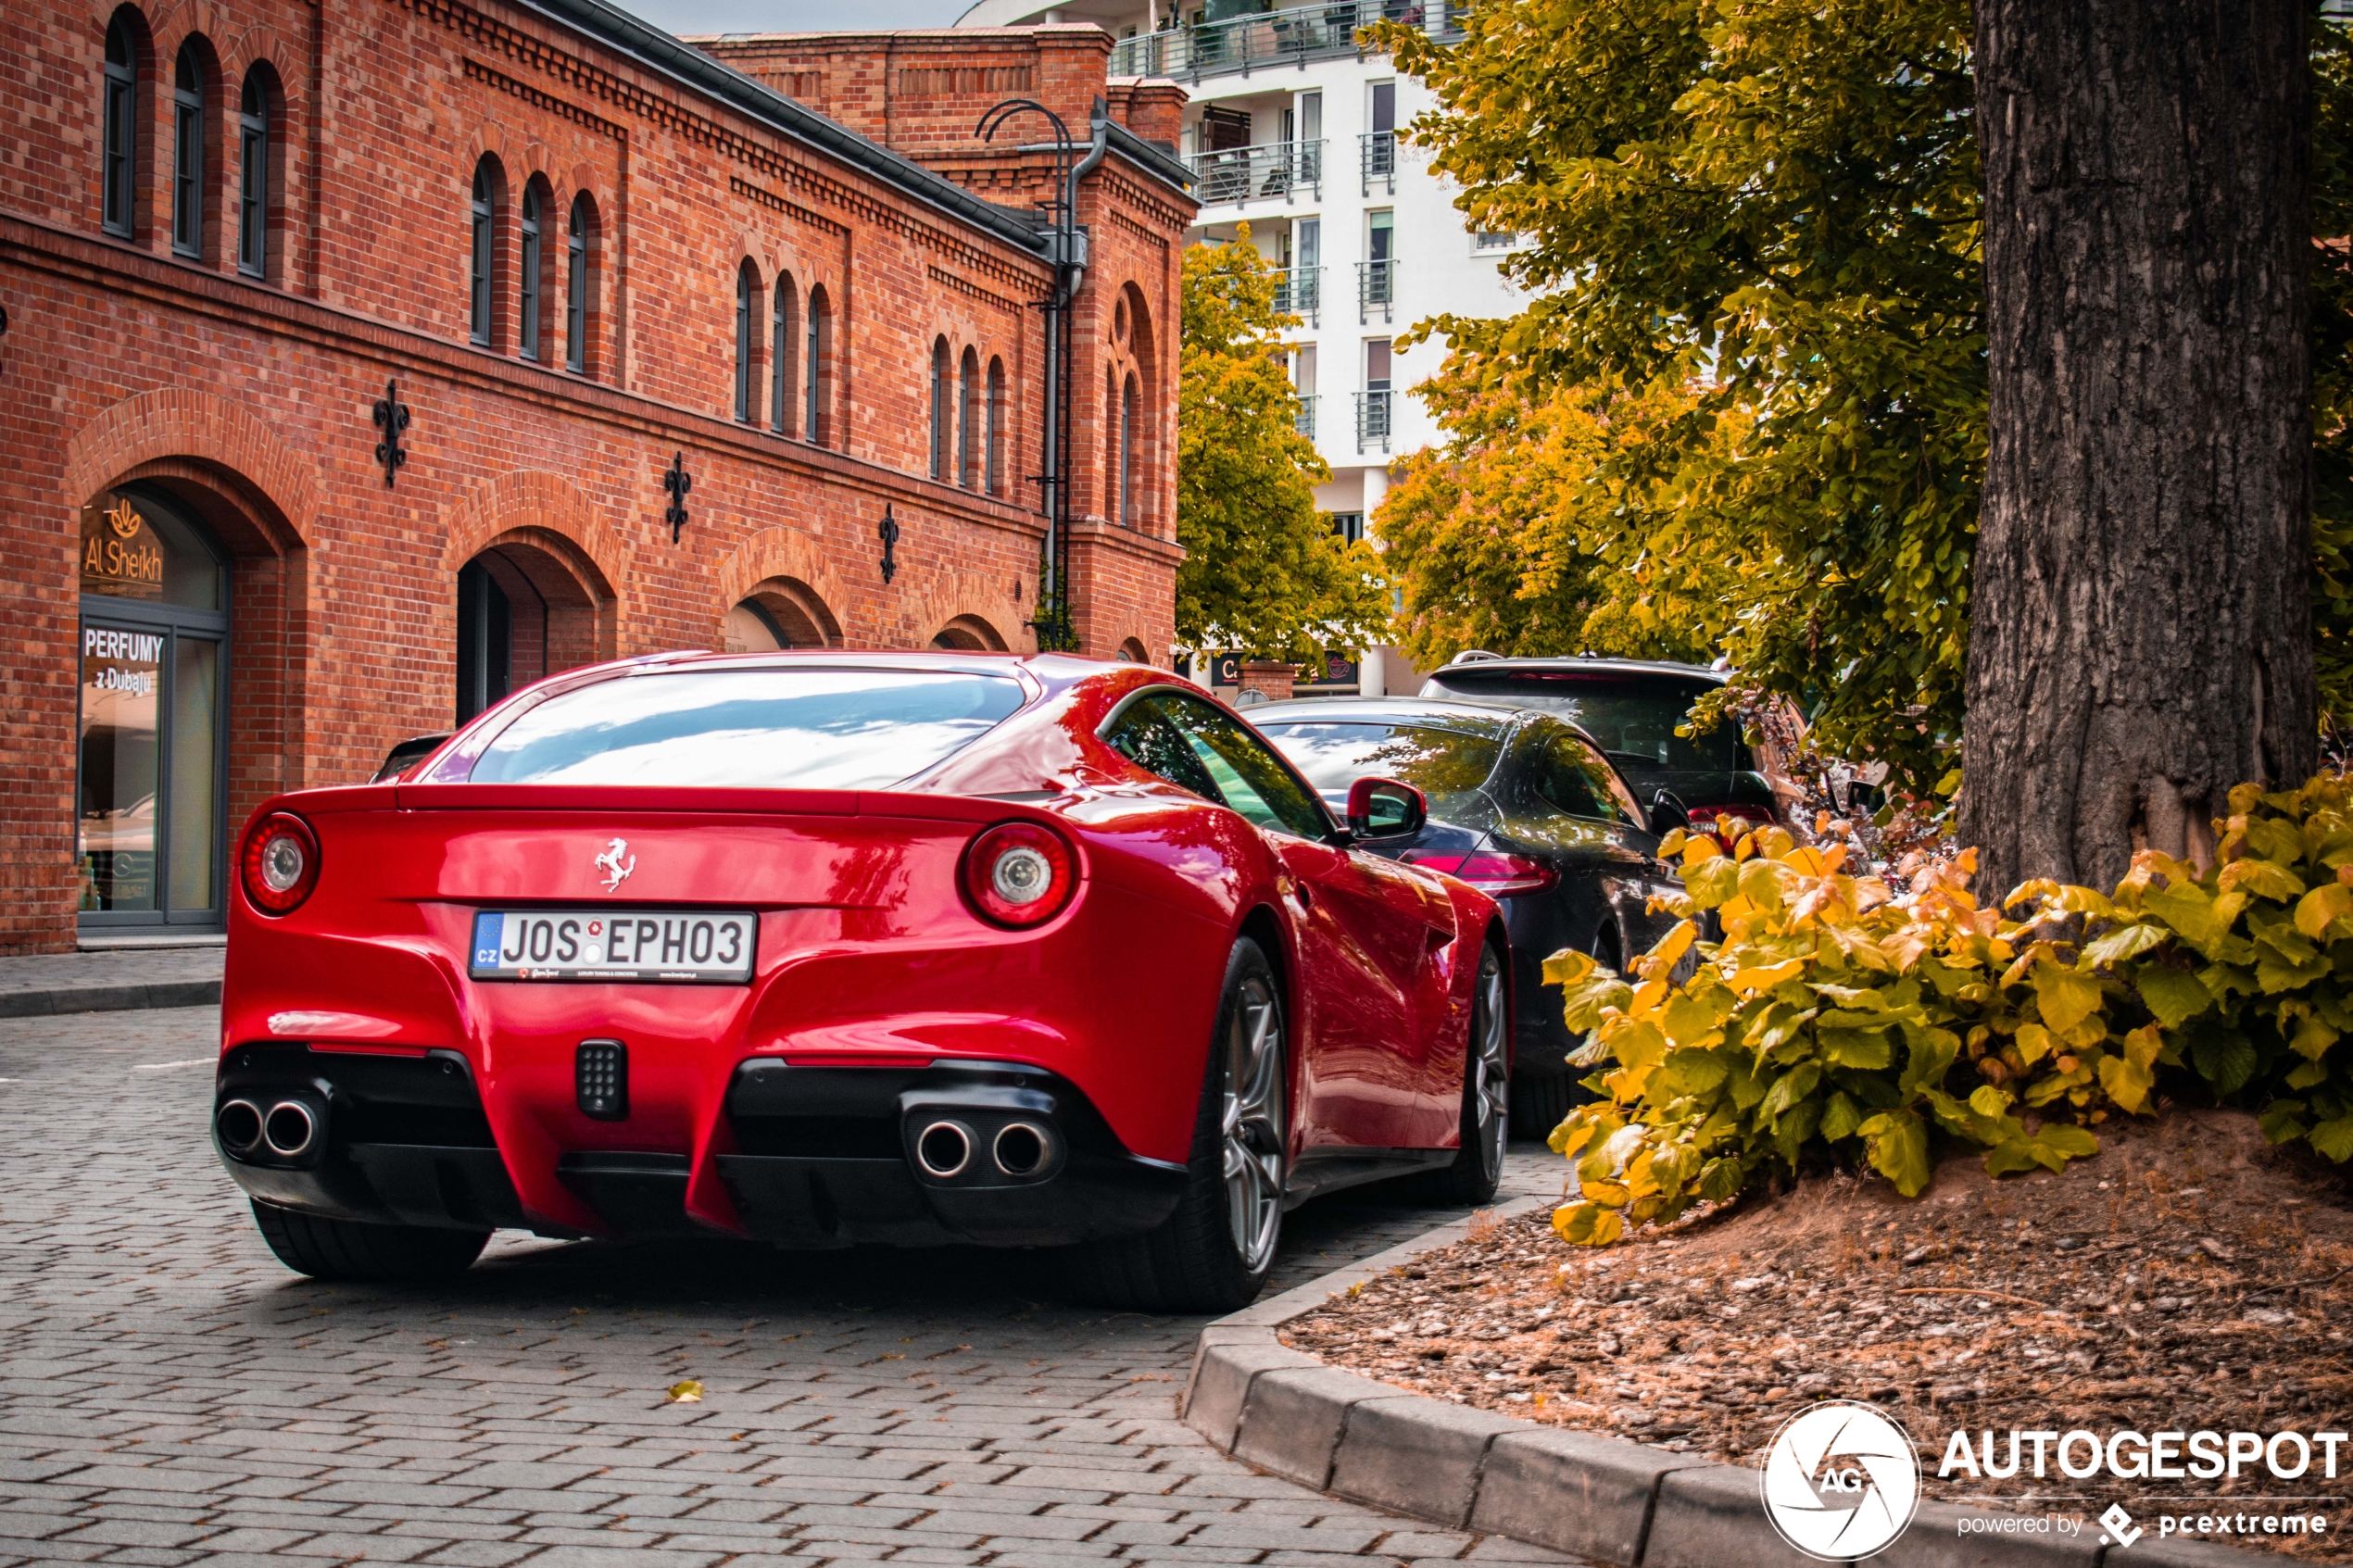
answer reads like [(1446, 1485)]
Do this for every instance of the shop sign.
[(119, 556)]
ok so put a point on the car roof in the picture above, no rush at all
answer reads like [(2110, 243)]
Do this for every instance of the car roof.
[(1367, 709), (1581, 663)]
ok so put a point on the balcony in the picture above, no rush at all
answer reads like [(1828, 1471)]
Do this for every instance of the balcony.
[(1272, 38), (1305, 422), (1377, 161), (1274, 171), (1372, 421), (1375, 290), (1299, 292)]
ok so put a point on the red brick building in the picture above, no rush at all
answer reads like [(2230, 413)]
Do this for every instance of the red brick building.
[(350, 351)]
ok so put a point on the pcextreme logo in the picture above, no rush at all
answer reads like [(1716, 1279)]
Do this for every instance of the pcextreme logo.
[(1840, 1481)]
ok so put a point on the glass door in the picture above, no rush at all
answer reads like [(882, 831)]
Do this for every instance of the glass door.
[(152, 745)]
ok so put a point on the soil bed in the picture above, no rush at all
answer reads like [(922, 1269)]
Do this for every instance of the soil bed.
[(2189, 1278)]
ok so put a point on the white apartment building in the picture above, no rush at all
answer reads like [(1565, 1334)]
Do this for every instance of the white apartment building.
[(1292, 130)]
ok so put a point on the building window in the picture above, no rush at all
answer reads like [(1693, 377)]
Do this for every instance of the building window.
[(967, 422), (996, 442), (1128, 451), (1347, 527), (121, 128), (577, 288), (530, 302), (816, 371), (187, 155), (478, 305), (781, 338), (942, 394), (253, 179), (747, 312)]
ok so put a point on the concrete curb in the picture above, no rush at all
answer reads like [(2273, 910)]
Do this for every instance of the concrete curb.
[(1604, 1499), (55, 1000)]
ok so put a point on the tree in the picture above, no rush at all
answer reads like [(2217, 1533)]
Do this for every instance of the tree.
[(1262, 573), (2142, 634), (1757, 219)]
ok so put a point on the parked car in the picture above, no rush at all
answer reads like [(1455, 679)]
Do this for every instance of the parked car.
[(1524, 806), (1631, 709), (828, 948)]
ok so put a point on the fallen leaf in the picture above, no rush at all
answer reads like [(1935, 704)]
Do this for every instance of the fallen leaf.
[(686, 1393)]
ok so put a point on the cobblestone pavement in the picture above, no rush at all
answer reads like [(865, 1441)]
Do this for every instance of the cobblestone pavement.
[(170, 1394)]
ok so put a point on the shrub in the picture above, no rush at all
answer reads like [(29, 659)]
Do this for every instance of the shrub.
[(1840, 1014)]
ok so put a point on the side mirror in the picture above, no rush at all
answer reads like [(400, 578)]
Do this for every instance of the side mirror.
[(1385, 809), (1668, 813)]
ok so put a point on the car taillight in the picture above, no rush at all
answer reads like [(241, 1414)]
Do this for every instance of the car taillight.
[(1019, 874), (280, 863), (1497, 875)]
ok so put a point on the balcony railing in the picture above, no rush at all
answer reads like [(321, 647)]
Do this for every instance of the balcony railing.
[(1274, 171), (1299, 291), (1272, 38), (1377, 161), (1375, 290), (1305, 423), (1372, 421)]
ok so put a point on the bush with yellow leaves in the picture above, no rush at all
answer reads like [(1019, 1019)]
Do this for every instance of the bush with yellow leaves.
[(1844, 1013)]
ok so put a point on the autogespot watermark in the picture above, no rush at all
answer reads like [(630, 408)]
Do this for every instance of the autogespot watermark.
[(1842, 1480)]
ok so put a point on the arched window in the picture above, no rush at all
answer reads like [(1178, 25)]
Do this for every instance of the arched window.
[(817, 372), (529, 342), (968, 442), (187, 152), (253, 178), (121, 128), (782, 340), (748, 315), (1128, 451), (576, 287), (942, 392), (484, 236), (996, 440)]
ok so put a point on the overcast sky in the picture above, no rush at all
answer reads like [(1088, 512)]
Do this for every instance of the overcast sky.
[(792, 16)]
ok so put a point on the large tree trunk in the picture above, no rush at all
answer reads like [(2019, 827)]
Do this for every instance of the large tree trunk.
[(2140, 631)]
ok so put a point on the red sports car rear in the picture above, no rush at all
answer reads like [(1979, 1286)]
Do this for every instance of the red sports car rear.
[(828, 949)]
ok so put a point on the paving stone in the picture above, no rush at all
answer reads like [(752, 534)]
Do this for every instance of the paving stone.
[(166, 1381)]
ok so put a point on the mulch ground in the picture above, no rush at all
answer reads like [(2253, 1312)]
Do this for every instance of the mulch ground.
[(2187, 1278)]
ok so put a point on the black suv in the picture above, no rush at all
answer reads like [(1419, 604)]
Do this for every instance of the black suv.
[(1630, 707)]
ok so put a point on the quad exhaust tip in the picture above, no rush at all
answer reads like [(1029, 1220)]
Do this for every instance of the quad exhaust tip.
[(239, 1124), (944, 1148), (1022, 1148), (289, 1129)]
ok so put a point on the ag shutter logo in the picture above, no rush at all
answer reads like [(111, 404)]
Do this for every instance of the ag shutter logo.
[(1840, 1481), (2119, 1525)]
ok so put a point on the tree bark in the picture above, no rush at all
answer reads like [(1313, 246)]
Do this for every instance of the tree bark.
[(2141, 634)]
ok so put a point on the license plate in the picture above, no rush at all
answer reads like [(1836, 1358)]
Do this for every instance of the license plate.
[(648, 945)]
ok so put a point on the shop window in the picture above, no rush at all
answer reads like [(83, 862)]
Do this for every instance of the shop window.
[(485, 640), (151, 757), (120, 120)]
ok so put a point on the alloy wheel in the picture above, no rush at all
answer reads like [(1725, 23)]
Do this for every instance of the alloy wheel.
[(1253, 1124), (1491, 1064)]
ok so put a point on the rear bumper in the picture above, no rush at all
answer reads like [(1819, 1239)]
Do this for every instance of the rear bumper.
[(809, 1156)]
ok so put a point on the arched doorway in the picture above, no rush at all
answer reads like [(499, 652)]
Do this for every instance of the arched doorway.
[(781, 612), (968, 634), (152, 747), (525, 611)]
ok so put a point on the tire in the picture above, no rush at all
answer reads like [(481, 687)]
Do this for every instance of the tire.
[(1477, 1169), (1213, 1253), (1540, 1104), (349, 1250)]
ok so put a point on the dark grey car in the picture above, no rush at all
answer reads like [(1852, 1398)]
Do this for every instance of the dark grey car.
[(1522, 806), (1631, 709)]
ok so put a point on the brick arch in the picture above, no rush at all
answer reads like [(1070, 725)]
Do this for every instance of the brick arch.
[(210, 433), (981, 603), (781, 553), (554, 537), (260, 44)]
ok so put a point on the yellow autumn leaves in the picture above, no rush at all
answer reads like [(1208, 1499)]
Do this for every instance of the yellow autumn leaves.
[(1863, 1012)]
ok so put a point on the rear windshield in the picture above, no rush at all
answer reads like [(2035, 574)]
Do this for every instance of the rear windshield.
[(1448, 765), (1633, 716), (750, 729)]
